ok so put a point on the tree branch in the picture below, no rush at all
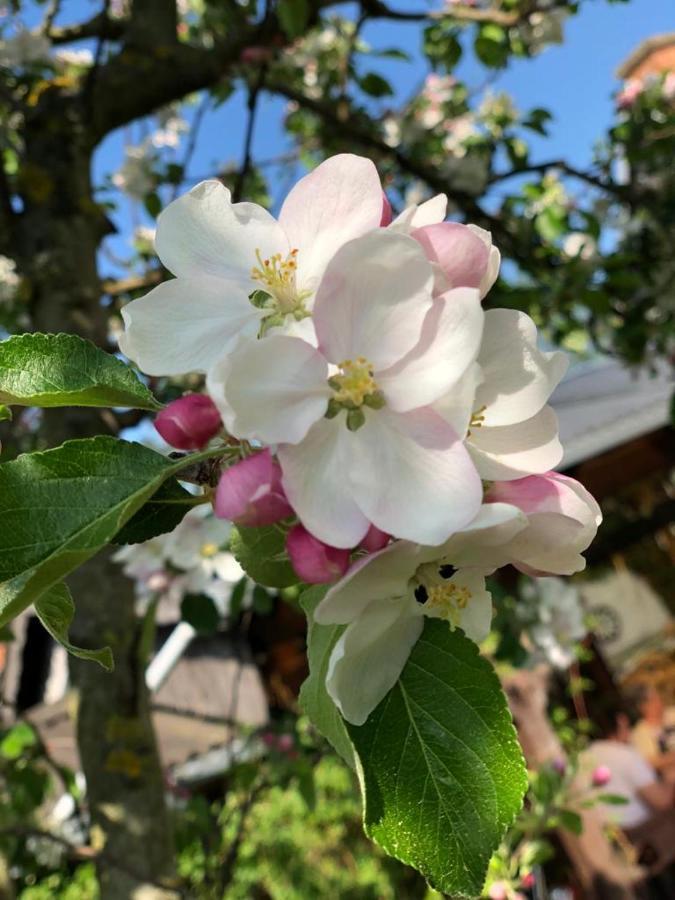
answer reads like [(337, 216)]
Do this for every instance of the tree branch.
[(347, 124), (100, 26), (458, 11), (608, 186)]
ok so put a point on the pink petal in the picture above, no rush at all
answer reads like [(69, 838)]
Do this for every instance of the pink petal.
[(314, 561), (387, 214), (250, 492), (375, 540), (461, 255)]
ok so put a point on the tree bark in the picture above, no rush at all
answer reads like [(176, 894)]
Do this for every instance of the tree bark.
[(58, 233)]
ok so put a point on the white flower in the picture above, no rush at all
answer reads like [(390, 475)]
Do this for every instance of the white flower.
[(383, 600), (221, 252), (79, 58), (557, 619), (500, 404), (359, 441), (24, 48), (9, 279), (136, 177), (578, 243), (195, 548), (563, 519), (171, 126)]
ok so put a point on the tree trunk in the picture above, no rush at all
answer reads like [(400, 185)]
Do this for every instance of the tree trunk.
[(58, 235)]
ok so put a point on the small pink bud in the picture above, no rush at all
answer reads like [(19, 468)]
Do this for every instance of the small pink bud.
[(527, 881), (387, 214), (250, 492), (498, 891), (255, 54), (601, 776), (285, 743), (268, 738), (190, 422), (314, 561), (559, 765), (374, 540)]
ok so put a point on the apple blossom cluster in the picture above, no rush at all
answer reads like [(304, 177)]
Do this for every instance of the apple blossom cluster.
[(367, 404), (190, 560)]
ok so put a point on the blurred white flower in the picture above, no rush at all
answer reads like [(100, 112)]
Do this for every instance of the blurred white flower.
[(135, 177), (81, 58), (578, 243), (189, 560), (23, 49), (557, 622), (9, 279), (171, 126)]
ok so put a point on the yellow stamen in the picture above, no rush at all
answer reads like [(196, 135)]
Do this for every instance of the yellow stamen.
[(208, 550), (355, 383), (447, 601), (478, 417), (276, 276)]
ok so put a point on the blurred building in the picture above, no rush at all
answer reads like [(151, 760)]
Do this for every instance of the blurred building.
[(655, 56)]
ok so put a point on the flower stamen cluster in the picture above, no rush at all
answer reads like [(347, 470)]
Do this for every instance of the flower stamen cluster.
[(354, 387), (277, 276)]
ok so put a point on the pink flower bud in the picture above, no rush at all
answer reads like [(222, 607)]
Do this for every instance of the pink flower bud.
[(601, 776), (559, 765), (374, 540), (285, 743), (387, 214), (498, 891), (459, 253), (527, 881), (189, 423), (314, 561), (250, 492)]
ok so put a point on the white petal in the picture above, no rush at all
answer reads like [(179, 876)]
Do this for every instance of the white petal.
[(315, 476), (412, 476), (369, 657), (486, 540), (204, 233), (340, 200), (551, 545), (186, 324), (518, 377), (276, 389), (373, 299), (431, 212), (476, 617), (512, 451), (379, 576), (448, 345), (458, 405), (494, 260)]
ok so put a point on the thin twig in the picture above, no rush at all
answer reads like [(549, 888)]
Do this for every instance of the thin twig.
[(192, 140), (245, 168)]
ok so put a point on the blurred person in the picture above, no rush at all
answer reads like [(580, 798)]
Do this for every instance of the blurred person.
[(654, 733), (647, 817), (620, 767)]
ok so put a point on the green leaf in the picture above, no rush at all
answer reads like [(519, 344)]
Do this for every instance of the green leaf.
[(375, 85), (440, 766), (60, 507), (201, 612), (159, 516), (17, 740), (293, 16), (65, 370), (314, 699), (612, 799), (5, 412), (570, 820), (261, 552), (153, 204), (55, 609)]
